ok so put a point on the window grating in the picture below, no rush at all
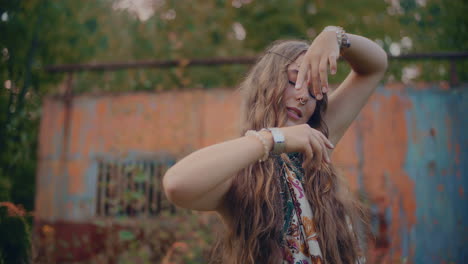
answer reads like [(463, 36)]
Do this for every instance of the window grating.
[(132, 188)]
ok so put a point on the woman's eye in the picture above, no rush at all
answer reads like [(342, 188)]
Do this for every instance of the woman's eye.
[(294, 84)]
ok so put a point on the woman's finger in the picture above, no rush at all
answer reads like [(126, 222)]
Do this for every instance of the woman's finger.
[(326, 158), (302, 74), (309, 155), (317, 149), (306, 88), (323, 74), (326, 140), (316, 80), (333, 65)]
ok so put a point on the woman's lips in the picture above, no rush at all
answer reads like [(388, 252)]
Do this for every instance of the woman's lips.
[(294, 113)]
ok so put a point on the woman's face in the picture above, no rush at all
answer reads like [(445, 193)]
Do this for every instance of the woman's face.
[(297, 113)]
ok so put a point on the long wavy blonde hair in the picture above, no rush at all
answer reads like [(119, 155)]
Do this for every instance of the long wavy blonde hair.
[(255, 231)]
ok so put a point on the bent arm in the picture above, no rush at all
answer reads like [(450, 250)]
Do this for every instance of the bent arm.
[(369, 63), (200, 180)]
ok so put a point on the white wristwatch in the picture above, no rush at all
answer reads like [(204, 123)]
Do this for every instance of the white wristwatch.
[(278, 138)]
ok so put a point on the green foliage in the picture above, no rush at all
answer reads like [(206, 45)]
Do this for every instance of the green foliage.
[(125, 235), (182, 238), (15, 238)]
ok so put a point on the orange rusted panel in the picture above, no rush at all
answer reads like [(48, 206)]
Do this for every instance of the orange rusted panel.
[(75, 172)]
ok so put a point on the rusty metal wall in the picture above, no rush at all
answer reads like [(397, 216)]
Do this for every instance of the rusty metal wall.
[(407, 152)]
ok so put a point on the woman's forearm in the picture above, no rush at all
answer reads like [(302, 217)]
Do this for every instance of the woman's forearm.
[(365, 56), (204, 170)]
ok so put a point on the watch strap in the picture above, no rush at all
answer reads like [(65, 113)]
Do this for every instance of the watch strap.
[(279, 140)]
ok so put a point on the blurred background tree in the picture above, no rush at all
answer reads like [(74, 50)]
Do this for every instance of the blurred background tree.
[(36, 33)]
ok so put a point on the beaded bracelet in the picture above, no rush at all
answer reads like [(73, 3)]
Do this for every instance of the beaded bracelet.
[(263, 140)]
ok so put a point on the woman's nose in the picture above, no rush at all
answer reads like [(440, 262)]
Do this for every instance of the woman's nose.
[(303, 93), (302, 99)]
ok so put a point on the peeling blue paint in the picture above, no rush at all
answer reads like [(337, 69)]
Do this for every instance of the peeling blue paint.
[(442, 214)]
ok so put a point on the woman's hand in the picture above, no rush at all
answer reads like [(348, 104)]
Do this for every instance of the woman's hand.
[(310, 142), (323, 52)]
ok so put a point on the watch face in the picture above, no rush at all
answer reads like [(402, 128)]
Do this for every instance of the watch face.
[(278, 138)]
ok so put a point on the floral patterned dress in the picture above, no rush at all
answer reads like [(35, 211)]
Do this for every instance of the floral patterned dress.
[(300, 245)]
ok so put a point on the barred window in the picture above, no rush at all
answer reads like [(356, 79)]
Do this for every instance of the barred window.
[(132, 188)]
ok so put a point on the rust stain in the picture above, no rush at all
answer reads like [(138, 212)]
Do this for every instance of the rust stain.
[(345, 153), (440, 187), (218, 124), (421, 85), (76, 127), (395, 86), (75, 170), (169, 121), (167, 128), (101, 108), (457, 153), (444, 172), (346, 157), (385, 145), (46, 189), (461, 192), (51, 128), (444, 85)]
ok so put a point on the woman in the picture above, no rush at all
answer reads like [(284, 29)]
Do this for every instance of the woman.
[(275, 188)]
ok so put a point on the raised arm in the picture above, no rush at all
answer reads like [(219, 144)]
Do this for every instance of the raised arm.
[(368, 62)]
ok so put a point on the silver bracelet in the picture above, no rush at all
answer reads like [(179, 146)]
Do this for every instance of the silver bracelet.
[(264, 143), (341, 37)]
